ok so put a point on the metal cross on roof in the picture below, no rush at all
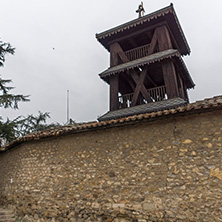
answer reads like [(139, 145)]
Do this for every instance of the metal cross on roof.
[(140, 10)]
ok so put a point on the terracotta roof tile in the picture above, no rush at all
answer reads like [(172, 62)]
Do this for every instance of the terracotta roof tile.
[(206, 104)]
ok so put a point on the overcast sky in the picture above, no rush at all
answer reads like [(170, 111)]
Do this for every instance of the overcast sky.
[(56, 51)]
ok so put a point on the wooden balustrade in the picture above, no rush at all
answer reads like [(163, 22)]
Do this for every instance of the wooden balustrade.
[(156, 94), (137, 53), (125, 100)]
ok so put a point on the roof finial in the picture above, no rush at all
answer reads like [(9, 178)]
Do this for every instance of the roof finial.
[(140, 10)]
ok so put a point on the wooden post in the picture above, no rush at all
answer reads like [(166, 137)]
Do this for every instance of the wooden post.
[(181, 87), (185, 92), (116, 52), (113, 55), (170, 79), (114, 89), (163, 37)]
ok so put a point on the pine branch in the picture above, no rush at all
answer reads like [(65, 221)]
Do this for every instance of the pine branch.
[(3, 86), (11, 101), (5, 48)]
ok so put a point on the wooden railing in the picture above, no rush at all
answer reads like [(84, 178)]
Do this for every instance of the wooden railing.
[(156, 94), (137, 53), (125, 100)]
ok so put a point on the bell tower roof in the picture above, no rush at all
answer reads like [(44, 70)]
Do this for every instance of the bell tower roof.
[(166, 16), (147, 71)]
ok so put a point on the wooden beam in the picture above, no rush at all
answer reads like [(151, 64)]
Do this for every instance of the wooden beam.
[(164, 41), (170, 79), (140, 86), (113, 56), (182, 82), (115, 51), (153, 43), (186, 94), (162, 37), (136, 95), (181, 86), (145, 94), (135, 76), (173, 40), (114, 89), (185, 91)]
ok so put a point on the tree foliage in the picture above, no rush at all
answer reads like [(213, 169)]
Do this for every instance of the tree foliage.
[(5, 48), (7, 131), (33, 123), (11, 100), (20, 126), (7, 99)]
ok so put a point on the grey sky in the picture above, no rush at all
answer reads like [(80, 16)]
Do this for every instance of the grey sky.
[(35, 27)]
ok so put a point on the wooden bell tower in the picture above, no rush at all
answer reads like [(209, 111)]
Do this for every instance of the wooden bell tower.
[(146, 64)]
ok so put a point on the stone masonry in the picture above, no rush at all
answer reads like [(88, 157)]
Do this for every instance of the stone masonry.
[(167, 169)]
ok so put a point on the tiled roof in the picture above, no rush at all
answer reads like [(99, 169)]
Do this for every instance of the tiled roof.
[(199, 106), (167, 13), (145, 108), (156, 57)]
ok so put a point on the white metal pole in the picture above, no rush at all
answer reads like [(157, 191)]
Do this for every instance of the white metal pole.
[(67, 106)]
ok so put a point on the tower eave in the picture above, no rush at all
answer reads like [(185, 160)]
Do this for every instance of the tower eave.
[(167, 15), (157, 57)]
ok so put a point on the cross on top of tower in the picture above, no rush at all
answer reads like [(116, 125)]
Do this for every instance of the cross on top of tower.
[(140, 10)]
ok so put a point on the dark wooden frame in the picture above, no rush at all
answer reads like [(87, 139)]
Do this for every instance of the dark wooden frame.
[(160, 39)]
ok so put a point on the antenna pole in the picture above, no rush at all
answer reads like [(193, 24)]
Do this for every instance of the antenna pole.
[(67, 106)]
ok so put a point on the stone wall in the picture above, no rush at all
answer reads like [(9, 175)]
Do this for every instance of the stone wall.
[(168, 169)]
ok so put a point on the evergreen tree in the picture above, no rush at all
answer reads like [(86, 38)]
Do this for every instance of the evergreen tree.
[(5, 48), (20, 126), (8, 100), (32, 123), (7, 131)]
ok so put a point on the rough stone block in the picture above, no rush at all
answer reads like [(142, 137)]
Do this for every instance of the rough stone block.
[(118, 205), (149, 207)]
